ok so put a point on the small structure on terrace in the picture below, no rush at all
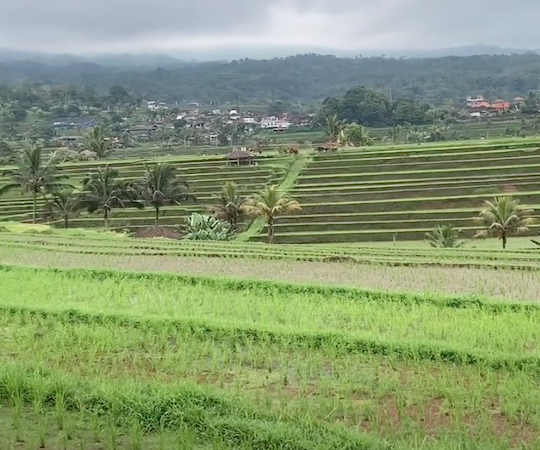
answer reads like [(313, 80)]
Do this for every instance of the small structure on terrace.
[(241, 157), (328, 147)]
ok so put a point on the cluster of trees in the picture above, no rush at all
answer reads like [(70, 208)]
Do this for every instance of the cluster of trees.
[(375, 109), (103, 190), (500, 218), (28, 110), (303, 78)]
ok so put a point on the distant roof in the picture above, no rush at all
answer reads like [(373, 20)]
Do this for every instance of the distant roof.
[(142, 128), (240, 154)]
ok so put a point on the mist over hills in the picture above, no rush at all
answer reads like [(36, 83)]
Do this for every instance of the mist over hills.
[(178, 59)]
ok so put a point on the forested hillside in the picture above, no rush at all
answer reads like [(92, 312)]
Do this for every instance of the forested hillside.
[(302, 78)]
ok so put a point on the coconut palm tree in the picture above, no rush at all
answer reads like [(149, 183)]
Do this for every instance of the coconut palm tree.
[(103, 191), (229, 206), (270, 203), (503, 217), (161, 186), (444, 236), (64, 203), (33, 175), (96, 141)]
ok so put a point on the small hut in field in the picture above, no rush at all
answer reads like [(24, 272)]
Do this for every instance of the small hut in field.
[(328, 147), (241, 158)]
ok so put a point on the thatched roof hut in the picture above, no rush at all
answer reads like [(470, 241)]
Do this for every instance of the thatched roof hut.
[(241, 157)]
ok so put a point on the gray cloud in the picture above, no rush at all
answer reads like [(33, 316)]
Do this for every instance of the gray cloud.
[(165, 25)]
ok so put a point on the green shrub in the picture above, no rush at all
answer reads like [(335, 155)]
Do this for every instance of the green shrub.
[(201, 227)]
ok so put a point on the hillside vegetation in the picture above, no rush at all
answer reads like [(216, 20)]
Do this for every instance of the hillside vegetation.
[(302, 78)]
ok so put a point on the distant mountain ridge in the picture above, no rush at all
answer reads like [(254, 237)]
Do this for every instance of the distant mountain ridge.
[(179, 59)]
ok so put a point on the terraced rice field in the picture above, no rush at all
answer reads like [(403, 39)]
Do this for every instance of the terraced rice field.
[(382, 195), (480, 269), (375, 194), (205, 175), (124, 360), (107, 342)]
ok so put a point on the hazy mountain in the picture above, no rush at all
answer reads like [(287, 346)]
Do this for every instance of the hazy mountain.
[(179, 59)]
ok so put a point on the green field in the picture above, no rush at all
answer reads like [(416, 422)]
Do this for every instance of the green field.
[(115, 343), (350, 333)]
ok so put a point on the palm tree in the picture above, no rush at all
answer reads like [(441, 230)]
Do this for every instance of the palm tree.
[(270, 203), (34, 176), (64, 203), (103, 191), (444, 236), (333, 127), (161, 186), (95, 141), (502, 217), (230, 206)]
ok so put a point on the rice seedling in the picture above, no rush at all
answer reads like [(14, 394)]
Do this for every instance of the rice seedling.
[(136, 435), (112, 437), (446, 276), (145, 360), (17, 409), (42, 433)]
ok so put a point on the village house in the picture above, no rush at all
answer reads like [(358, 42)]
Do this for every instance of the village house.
[(500, 105), (83, 122), (479, 105), (518, 102), (142, 132)]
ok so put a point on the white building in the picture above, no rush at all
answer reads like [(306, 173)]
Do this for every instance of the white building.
[(269, 122), (273, 123)]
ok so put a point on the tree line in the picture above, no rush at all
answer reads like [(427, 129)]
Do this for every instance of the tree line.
[(104, 190)]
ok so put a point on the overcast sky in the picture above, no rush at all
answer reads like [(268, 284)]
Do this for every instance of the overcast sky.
[(96, 26)]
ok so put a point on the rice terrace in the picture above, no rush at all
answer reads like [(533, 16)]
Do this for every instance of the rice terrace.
[(355, 298)]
